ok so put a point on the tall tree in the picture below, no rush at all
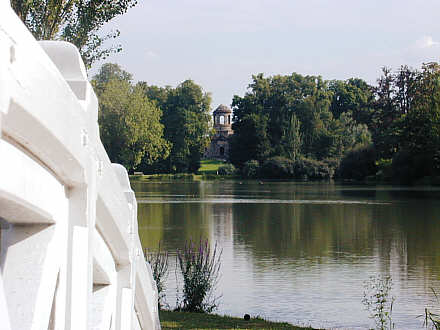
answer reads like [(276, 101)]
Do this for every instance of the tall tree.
[(386, 116), (250, 140), (76, 21), (275, 101), (420, 135), (353, 95), (406, 120), (292, 138), (110, 71), (130, 125), (186, 122)]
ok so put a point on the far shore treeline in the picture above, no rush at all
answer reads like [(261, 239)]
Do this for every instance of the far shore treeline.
[(285, 126)]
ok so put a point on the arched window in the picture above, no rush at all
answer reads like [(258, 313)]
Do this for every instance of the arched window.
[(222, 120), (222, 151)]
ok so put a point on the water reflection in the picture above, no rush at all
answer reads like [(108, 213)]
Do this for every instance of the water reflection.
[(304, 262)]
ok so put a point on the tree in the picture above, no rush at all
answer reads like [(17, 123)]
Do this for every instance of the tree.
[(292, 139), (129, 123), (76, 21), (346, 133), (386, 116), (406, 121), (250, 140), (186, 123), (420, 135), (354, 96), (110, 71), (266, 112)]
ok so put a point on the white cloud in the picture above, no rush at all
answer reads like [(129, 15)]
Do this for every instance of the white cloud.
[(426, 42), (151, 54)]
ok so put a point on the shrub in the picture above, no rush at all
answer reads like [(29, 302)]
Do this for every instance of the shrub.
[(408, 167), (332, 164), (227, 169), (432, 318), (250, 169), (402, 166), (358, 163), (303, 168), (159, 266), (277, 168), (310, 169), (200, 268), (384, 169), (377, 301)]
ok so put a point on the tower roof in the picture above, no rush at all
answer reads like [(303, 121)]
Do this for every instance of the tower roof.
[(222, 109)]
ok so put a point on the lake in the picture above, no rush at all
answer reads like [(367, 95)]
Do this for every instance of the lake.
[(301, 252)]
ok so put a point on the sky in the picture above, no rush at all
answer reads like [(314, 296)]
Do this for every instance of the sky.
[(220, 44)]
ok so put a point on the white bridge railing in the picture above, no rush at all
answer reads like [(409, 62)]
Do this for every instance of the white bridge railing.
[(70, 254)]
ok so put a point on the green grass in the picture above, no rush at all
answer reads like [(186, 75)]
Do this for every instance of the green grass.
[(183, 320), (210, 166), (207, 171), (179, 177), (165, 177)]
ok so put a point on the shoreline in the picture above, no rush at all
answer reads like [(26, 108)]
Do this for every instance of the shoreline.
[(185, 320)]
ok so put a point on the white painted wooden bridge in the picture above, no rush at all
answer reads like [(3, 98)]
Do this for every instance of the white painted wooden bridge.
[(70, 254)]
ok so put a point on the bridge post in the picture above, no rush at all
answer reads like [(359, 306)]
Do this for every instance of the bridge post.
[(5, 57), (4, 104), (126, 273), (4, 315)]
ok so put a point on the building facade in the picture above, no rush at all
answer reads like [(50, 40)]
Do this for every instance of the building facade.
[(219, 147)]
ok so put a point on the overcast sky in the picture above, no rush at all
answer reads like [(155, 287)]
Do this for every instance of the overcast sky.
[(220, 44)]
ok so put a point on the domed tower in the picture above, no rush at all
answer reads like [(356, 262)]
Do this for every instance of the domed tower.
[(223, 120), (219, 147)]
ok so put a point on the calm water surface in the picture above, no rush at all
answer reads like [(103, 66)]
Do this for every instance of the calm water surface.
[(301, 252)]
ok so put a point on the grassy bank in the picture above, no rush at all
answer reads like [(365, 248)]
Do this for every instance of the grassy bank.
[(182, 320), (183, 177), (166, 177), (210, 166), (208, 171)]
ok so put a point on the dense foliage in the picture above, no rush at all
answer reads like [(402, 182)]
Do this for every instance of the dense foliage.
[(200, 269), (76, 21), (130, 125), (186, 116), (300, 169), (227, 169), (151, 129), (285, 127), (406, 121), (358, 163), (293, 126), (250, 169), (291, 117)]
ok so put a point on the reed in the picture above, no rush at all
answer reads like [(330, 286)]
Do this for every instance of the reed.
[(200, 268), (159, 266), (378, 302)]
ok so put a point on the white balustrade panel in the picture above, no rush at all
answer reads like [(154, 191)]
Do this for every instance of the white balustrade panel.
[(70, 254)]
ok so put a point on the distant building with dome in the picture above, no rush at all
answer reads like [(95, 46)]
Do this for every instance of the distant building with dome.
[(219, 147)]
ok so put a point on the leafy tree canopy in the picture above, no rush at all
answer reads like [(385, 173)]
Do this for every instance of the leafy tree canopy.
[(129, 122), (76, 21), (353, 95), (291, 116), (186, 120)]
